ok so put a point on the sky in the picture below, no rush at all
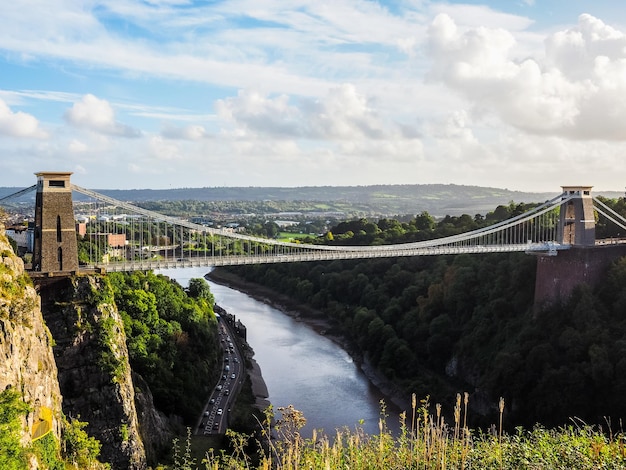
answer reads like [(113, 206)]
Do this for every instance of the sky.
[(527, 95)]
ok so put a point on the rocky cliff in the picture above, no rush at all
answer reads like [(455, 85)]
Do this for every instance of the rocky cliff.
[(26, 360), (92, 360), (63, 347)]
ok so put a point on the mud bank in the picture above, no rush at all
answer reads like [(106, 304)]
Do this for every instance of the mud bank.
[(319, 323), (259, 388)]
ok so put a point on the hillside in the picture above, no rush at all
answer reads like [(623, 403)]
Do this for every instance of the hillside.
[(438, 325), (437, 199)]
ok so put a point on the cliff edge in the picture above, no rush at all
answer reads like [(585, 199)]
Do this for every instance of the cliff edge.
[(27, 363)]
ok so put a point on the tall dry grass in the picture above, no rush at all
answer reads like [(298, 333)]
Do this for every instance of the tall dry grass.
[(426, 441)]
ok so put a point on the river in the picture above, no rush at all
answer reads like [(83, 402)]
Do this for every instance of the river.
[(300, 367)]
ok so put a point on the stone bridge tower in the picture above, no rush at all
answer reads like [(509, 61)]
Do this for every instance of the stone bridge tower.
[(585, 263), (55, 248), (577, 223)]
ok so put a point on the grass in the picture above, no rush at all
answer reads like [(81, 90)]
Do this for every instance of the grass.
[(290, 236), (425, 441)]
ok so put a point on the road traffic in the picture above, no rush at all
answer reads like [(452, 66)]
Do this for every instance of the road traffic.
[(214, 419)]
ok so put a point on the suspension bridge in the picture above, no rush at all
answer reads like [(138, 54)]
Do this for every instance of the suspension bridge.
[(115, 235)]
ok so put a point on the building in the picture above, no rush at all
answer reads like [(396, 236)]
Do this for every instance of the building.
[(24, 238)]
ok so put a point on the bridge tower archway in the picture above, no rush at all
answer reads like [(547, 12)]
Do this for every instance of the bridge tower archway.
[(577, 224), (55, 248)]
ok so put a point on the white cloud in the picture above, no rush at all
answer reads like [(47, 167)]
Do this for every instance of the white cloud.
[(561, 96), (163, 150), (19, 124), (192, 43), (332, 92), (76, 146), (252, 112), (191, 132), (575, 51), (475, 16), (98, 116), (342, 114)]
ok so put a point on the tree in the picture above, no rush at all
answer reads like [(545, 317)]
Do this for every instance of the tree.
[(199, 289), (80, 449), (424, 221), (12, 455)]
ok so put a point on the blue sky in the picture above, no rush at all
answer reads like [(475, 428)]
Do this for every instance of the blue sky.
[(519, 94)]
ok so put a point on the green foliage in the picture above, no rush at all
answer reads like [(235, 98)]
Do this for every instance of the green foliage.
[(432, 323), (81, 451), (171, 338), (12, 408), (606, 228), (109, 361), (101, 293), (183, 460), (13, 289), (124, 433), (48, 454), (412, 316), (353, 201), (13, 244), (199, 289)]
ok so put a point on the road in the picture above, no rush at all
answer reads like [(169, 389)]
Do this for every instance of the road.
[(214, 419)]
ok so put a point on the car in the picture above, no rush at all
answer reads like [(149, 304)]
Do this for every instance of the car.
[(216, 426), (232, 376), (236, 360), (224, 377), (219, 387), (226, 392), (211, 401), (226, 368), (206, 413), (219, 411)]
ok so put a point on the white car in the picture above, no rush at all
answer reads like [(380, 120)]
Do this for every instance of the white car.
[(219, 411)]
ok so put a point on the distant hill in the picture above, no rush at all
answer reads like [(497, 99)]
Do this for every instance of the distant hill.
[(437, 199)]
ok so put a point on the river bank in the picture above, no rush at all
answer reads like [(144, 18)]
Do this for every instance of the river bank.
[(317, 321)]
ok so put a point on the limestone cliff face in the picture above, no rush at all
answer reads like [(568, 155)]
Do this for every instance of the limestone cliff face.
[(64, 349), (26, 360), (92, 360), (154, 426)]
